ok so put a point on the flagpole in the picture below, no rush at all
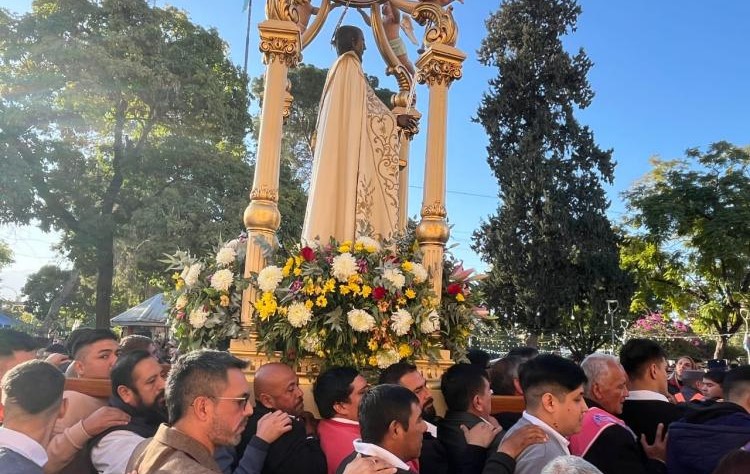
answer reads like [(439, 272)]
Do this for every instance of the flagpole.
[(247, 34)]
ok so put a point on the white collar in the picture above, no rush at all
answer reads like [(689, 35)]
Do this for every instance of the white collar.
[(432, 429), (23, 445), (345, 421), (646, 395), (374, 450), (562, 440)]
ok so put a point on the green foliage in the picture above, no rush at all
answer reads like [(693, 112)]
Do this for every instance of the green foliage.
[(552, 249), (119, 122), (6, 254), (689, 242)]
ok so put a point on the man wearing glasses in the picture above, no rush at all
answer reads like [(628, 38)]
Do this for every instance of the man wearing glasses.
[(207, 398)]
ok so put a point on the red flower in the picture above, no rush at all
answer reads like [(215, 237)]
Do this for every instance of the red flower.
[(454, 288), (308, 254), (378, 293)]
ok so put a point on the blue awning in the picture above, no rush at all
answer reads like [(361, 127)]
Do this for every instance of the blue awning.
[(7, 321), (152, 312)]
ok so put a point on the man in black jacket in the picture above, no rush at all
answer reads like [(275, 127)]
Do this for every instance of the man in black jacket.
[(647, 405), (277, 388), (605, 440)]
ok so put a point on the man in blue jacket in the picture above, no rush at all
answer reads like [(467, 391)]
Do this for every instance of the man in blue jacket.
[(699, 440)]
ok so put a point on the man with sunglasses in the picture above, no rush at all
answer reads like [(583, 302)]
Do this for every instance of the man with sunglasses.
[(207, 398)]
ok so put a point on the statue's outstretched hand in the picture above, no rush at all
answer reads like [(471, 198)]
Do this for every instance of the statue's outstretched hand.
[(407, 121)]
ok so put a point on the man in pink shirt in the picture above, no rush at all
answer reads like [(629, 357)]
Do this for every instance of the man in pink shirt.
[(337, 392)]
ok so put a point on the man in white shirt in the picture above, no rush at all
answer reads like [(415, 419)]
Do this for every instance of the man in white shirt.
[(138, 390), (390, 420), (30, 415)]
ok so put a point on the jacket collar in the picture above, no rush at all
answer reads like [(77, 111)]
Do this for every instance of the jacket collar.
[(179, 441)]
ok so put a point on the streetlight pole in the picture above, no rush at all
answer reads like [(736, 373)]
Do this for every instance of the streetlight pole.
[(612, 306)]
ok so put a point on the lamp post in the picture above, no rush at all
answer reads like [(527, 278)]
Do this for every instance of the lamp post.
[(612, 306), (745, 314)]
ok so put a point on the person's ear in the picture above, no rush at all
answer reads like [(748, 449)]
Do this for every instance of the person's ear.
[(78, 366), (652, 371), (549, 402), (63, 408), (596, 391), (266, 400), (202, 409), (125, 394), (517, 386), (395, 429)]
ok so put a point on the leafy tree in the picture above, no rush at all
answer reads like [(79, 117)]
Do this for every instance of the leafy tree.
[(6, 254), (105, 108), (551, 247), (689, 242), (298, 139), (54, 295)]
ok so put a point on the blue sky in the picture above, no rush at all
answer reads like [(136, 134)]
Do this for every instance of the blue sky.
[(667, 75)]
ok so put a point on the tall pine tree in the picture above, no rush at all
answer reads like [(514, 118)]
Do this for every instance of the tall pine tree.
[(551, 247)]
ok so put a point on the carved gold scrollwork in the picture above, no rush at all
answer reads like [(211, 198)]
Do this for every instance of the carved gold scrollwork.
[(437, 71), (285, 10), (441, 27), (436, 209), (275, 48), (265, 193)]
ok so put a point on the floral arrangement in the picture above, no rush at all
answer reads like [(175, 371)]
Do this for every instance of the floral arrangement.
[(205, 304), (360, 303)]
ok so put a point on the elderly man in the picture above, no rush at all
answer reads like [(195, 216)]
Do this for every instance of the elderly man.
[(30, 414), (390, 418), (298, 450), (647, 405), (337, 393), (138, 390), (605, 440), (207, 397)]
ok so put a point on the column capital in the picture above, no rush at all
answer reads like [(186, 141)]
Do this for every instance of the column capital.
[(280, 41), (440, 64)]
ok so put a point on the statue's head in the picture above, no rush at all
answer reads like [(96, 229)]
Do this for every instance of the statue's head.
[(349, 38)]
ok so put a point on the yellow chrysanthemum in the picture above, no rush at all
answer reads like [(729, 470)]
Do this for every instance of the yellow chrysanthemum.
[(344, 289), (321, 301), (329, 286), (401, 301), (405, 350), (372, 344), (354, 279), (407, 266), (176, 276), (224, 301), (309, 287), (366, 290), (321, 354), (282, 310), (297, 271), (344, 249), (358, 247), (308, 304), (355, 288), (180, 283), (411, 294), (373, 361), (298, 260), (460, 297), (265, 305)]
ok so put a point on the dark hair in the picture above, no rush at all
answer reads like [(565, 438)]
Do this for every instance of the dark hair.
[(333, 386), (88, 336), (344, 38), (637, 354), (56, 348), (393, 373), (12, 341), (197, 373), (34, 386), (549, 373), (736, 382), (460, 383), (380, 407), (479, 358), (716, 375), (736, 461), (135, 342), (122, 372), (502, 374), (525, 352)]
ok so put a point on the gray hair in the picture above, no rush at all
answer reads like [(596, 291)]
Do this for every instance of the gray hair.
[(595, 366), (570, 465)]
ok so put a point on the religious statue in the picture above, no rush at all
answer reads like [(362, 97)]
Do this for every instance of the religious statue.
[(354, 183)]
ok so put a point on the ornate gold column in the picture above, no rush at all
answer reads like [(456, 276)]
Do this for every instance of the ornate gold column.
[(437, 67), (280, 45)]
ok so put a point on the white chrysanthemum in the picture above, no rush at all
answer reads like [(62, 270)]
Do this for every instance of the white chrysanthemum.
[(387, 357), (269, 278), (233, 244), (419, 272), (370, 244), (198, 317), (191, 277), (344, 266), (394, 275), (360, 320), (311, 342), (401, 322), (298, 314), (430, 323), (181, 302), (225, 256), (222, 280)]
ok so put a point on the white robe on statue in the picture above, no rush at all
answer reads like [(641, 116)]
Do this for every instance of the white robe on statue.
[(354, 183)]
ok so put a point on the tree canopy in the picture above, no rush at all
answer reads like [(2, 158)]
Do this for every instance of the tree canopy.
[(689, 238), (552, 251)]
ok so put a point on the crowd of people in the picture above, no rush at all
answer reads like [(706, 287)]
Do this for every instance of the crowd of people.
[(200, 415)]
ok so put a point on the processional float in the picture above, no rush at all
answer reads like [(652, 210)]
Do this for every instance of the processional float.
[(281, 44)]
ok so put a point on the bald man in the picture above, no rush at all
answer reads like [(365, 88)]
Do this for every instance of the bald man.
[(276, 387)]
